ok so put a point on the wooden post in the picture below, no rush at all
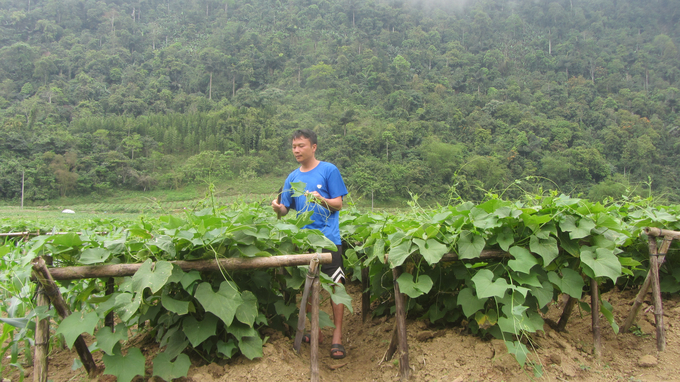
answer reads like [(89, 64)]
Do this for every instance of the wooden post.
[(656, 292), (566, 313), (365, 295), (394, 342), (42, 340), (314, 337), (644, 289), (302, 316), (595, 314), (404, 368), (108, 320), (43, 276)]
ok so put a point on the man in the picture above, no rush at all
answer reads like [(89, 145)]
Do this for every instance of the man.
[(322, 195)]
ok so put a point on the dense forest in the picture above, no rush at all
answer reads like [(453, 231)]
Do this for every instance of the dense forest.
[(443, 99)]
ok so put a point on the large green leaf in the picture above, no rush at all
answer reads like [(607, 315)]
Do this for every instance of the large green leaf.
[(431, 249), (94, 256), (470, 245), (199, 331), (602, 261), (149, 276), (571, 282), (399, 254), (544, 295), (251, 347), (339, 295), (486, 287), (519, 350), (577, 228), (162, 367), (76, 324), (414, 289), (469, 302), (174, 306), (223, 303), (505, 238), (227, 349), (107, 340), (523, 261), (124, 368), (247, 311), (546, 248)]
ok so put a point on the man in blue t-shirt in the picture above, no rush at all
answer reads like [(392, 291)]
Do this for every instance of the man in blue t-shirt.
[(325, 185)]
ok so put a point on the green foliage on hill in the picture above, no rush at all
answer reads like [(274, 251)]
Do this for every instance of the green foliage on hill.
[(442, 99)]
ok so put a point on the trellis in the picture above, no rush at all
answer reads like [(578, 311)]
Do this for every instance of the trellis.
[(49, 292)]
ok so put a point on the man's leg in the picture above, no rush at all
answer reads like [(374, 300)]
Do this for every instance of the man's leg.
[(338, 312)]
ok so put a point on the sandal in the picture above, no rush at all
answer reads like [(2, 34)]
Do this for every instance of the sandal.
[(338, 351), (307, 338)]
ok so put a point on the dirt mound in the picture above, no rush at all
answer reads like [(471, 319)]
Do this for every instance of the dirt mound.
[(450, 354)]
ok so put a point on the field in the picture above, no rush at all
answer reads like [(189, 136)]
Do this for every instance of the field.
[(477, 318)]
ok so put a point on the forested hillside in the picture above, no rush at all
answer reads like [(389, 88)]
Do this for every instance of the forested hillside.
[(443, 99)]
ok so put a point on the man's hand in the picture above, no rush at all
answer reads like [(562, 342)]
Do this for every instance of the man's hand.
[(334, 204), (279, 208)]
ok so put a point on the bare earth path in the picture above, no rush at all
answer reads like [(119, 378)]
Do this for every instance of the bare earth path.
[(448, 354)]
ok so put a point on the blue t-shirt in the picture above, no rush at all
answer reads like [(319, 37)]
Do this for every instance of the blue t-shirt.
[(325, 178)]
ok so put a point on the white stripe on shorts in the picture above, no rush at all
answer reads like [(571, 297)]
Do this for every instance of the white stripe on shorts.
[(338, 275)]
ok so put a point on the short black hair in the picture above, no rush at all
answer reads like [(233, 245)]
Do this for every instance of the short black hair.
[(305, 133)]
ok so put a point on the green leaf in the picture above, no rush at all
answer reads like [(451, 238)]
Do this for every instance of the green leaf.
[(577, 228), (247, 311), (571, 282), (107, 340), (339, 295), (524, 260), (546, 248), (223, 303), (228, 349), (486, 287), (124, 368), (175, 306), (76, 324), (414, 289), (519, 350), (162, 367), (251, 347), (505, 239), (607, 311), (469, 302), (432, 250), (603, 262), (146, 277), (189, 278), (94, 256), (199, 331), (399, 254), (177, 342), (544, 295), (470, 245)]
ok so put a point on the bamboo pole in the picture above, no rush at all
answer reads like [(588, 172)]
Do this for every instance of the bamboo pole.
[(656, 292), (302, 316), (365, 295), (314, 337), (653, 231), (404, 368), (644, 289), (237, 263), (595, 314), (42, 340), (43, 276), (566, 313), (108, 320)]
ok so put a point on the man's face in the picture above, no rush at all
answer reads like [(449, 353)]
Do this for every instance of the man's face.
[(303, 149)]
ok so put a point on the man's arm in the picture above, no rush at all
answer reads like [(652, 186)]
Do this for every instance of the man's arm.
[(333, 204)]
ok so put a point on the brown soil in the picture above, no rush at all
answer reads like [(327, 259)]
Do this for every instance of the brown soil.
[(449, 354)]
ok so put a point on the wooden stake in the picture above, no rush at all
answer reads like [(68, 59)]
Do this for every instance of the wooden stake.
[(42, 341), (644, 289), (365, 295), (566, 313), (656, 292), (43, 276), (236, 263), (595, 314), (302, 316), (314, 337), (108, 320), (392, 348), (404, 368)]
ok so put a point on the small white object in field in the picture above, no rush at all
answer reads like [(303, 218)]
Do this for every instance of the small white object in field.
[(67, 211)]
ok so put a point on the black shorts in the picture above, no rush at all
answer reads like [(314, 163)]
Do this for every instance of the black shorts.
[(335, 270)]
